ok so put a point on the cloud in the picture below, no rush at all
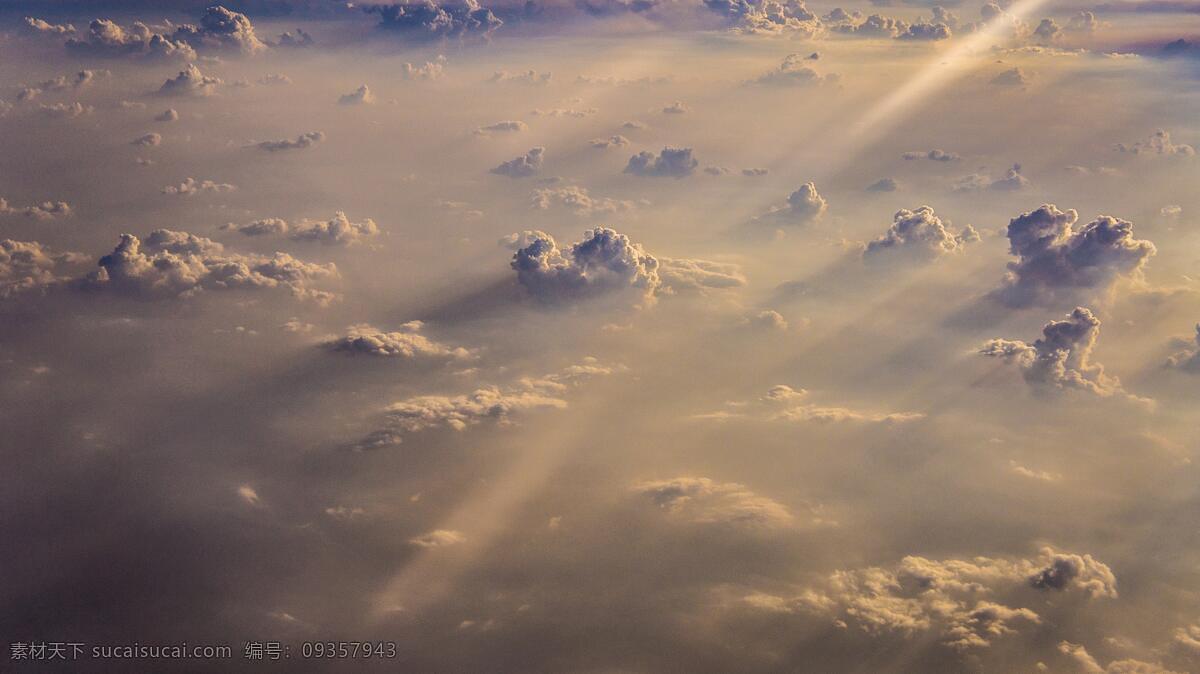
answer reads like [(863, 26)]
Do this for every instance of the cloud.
[(875, 25), (178, 264), (1011, 181), (805, 205), (220, 30), (794, 72), (676, 108), (1187, 359), (302, 141), (703, 501), (47, 210), (1013, 77), (603, 262), (1158, 144), (148, 140), (784, 403), (953, 599), (524, 76), (524, 166), (684, 274), (65, 110), (563, 112), (45, 27), (578, 200), (1084, 662), (1055, 257), (360, 96), (337, 231), (62, 83), (430, 70), (923, 30), (670, 162), (1061, 358), (274, 79), (883, 185), (768, 17), (921, 231), (755, 172), (429, 20), (932, 155), (611, 141), (189, 82), (1079, 572), (264, 227), (439, 538), (191, 187), (168, 115), (406, 343), (1047, 31), (27, 266), (508, 126)]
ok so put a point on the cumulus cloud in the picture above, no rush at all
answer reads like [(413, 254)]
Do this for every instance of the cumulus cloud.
[(430, 70), (603, 262), (1047, 31), (953, 600), (219, 30), (429, 20), (62, 83), (168, 115), (438, 538), (47, 210), (337, 231), (65, 110), (189, 82), (1061, 358), (264, 227), (703, 501), (925, 30), (1187, 359), (406, 343), (579, 200), (507, 126), (883, 185), (676, 108), (875, 25), (768, 17), (1055, 257), (524, 166), (670, 162), (1012, 180), (920, 231), (1013, 77), (148, 140), (1159, 143), (302, 141), (45, 27), (805, 205), (29, 266), (524, 77), (360, 96), (795, 72), (932, 155), (611, 141), (191, 187)]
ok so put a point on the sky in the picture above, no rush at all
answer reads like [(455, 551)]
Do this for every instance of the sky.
[(603, 336)]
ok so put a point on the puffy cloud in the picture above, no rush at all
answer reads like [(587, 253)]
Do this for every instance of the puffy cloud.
[(189, 82), (300, 40), (578, 200), (148, 140), (47, 210), (874, 25), (932, 155), (1013, 77), (1080, 572), (360, 96), (219, 30), (168, 115), (45, 27), (438, 538), (65, 110), (883, 185), (338, 230), (274, 79), (922, 231), (951, 599), (191, 187), (1187, 359), (264, 227), (768, 16), (430, 70), (28, 265), (525, 76), (1047, 31), (704, 501), (62, 83), (794, 72), (178, 264), (755, 172), (1011, 181), (670, 162), (611, 141), (604, 261), (768, 318), (1083, 22), (524, 166), (1054, 256), (405, 343), (502, 127), (926, 31), (676, 108), (302, 141), (1061, 358), (803, 206), (429, 20), (1086, 663), (1158, 144)]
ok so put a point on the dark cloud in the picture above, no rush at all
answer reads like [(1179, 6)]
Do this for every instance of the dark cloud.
[(405, 343), (1054, 257), (602, 262), (429, 20), (670, 162), (524, 166)]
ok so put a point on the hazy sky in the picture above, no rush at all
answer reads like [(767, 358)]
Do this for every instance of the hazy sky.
[(604, 336)]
